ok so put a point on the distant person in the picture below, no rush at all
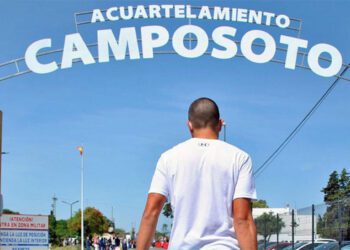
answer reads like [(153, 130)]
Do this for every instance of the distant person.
[(129, 244), (113, 243), (117, 241), (210, 186), (87, 243), (96, 242), (102, 243), (125, 245), (158, 244), (166, 243), (108, 243)]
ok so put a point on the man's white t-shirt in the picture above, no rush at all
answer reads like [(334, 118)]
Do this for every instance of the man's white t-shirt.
[(201, 178)]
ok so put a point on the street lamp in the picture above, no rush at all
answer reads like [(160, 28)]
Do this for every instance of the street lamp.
[(81, 151), (71, 206)]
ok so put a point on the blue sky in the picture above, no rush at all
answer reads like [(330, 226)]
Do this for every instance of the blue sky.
[(127, 113)]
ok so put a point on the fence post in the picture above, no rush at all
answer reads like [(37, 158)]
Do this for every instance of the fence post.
[(277, 228), (293, 225), (313, 225), (339, 223)]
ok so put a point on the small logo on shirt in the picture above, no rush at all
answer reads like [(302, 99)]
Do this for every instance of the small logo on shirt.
[(203, 144)]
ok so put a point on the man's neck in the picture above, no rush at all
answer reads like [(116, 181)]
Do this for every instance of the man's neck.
[(205, 134)]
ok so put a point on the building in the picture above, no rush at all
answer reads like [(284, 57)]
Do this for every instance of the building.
[(303, 226)]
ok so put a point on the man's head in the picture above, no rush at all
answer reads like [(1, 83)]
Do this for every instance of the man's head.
[(204, 118)]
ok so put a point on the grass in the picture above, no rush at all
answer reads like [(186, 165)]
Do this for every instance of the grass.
[(66, 248)]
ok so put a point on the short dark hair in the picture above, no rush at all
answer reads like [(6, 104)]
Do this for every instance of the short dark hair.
[(203, 113)]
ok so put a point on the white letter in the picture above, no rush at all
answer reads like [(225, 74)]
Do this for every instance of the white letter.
[(140, 12), (75, 48), (32, 60), (242, 15), (268, 16), (148, 43), (125, 16), (336, 60), (234, 14), (283, 24), (248, 40), (154, 11), (109, 14), (167, 9), (220, 39), (202, 41), (189, 13), (221, 13), (127, 38), (204, 13), (179, 11), (97, 16), (292, 51), (255, 17)]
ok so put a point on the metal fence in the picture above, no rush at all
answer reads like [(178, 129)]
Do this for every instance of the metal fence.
[(314, 224)]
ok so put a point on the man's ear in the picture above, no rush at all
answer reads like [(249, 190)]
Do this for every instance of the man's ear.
[(221, 123), (190, 126)]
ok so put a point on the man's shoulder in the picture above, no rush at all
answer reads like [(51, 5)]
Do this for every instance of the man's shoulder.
[(175, 148), (233, 149)]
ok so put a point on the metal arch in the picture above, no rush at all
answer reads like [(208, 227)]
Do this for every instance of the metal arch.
[(18, 71)]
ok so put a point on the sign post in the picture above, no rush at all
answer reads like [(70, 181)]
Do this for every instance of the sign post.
[(1, 200)]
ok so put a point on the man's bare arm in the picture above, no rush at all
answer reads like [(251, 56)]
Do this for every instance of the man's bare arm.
[(244, 224), (154, 205)]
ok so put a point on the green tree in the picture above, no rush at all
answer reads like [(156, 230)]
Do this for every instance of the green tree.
[(259, 204), (336, 218), (62, 230), (119, 231), (158, 235), (332, 190), (94, 222), (52, 229), (267, 224), (165, 230), (8, 211), (167, 211), (344, 183)]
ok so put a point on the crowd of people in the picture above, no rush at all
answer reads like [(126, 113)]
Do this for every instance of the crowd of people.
[(70, 242), (113, 243), (109, 243), (162, 242)]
